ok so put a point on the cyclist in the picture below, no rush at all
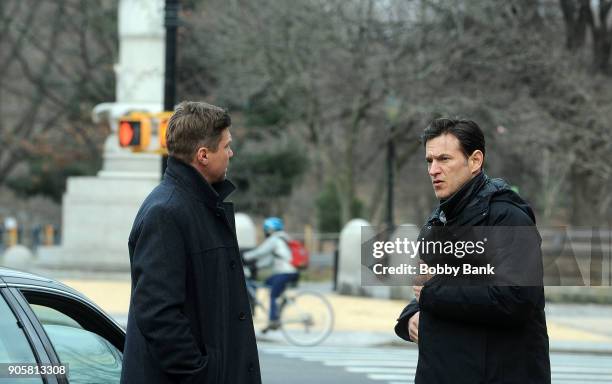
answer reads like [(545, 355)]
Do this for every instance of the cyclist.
[(275, 252)]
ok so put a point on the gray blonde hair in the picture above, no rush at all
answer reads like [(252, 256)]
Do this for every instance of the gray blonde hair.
[(195, 124)]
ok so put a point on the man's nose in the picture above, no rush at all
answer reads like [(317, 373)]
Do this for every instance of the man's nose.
[(434, 168), (231, 153)]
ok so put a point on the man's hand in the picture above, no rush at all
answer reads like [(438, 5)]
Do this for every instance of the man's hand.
[(417, 291), (413, 327)]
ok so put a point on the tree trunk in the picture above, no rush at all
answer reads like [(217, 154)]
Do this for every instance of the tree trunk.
[(576, 17), (584, 201), (601, 52), (346, 196), (601, 37)]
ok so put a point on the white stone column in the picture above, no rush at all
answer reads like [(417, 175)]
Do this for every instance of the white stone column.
[(140, 71)]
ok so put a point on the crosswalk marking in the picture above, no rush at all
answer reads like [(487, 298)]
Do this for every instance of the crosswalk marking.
[(361, 363), (398, 366), (380, 370)]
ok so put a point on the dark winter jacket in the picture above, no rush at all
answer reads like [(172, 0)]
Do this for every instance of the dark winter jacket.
[(189, 319), (478, 333)]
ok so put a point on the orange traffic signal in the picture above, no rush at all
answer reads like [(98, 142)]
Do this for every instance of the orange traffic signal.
[(135, 131), (129, 133), (163, 118)]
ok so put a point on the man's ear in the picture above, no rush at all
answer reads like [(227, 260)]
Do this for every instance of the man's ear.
[(202, 156), (476, 161)]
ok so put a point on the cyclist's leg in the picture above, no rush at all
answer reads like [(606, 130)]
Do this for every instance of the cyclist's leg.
[(277, 285)]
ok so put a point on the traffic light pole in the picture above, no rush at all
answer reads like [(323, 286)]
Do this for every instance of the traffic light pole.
[(171, 22)]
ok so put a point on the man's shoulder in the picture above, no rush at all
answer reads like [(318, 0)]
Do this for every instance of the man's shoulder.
[(163, 201), (505, 205), (504, 211)]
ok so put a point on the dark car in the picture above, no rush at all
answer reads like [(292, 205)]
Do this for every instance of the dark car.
[(46, 326)]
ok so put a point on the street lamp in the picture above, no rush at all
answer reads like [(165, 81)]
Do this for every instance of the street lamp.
[(392, 106)]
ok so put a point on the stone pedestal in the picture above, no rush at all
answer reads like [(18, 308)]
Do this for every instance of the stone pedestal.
[(349, 258), (98, 212)]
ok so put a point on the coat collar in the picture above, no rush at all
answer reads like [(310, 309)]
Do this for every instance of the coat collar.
[(455, 204), (192, 181), (474, 199)]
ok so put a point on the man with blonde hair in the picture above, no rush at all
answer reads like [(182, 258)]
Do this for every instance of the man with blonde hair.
[(189, 319)]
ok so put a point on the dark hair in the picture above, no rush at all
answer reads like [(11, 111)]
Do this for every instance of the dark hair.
[(195, 124), (468, 133)]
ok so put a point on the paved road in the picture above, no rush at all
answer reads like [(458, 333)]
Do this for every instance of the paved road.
[(338, 365), (587, 317)]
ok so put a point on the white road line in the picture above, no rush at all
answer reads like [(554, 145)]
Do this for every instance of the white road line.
[(583, 378), (344, 357), (395, 371), (607, 370), (363, 363), (390, 377)]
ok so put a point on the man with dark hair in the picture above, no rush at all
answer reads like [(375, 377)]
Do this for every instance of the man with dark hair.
[(474, 333), (189, 319)]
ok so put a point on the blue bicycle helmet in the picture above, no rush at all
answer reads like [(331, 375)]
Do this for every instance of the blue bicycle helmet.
[(273, 224)]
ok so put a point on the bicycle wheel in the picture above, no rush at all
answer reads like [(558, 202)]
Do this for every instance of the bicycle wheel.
[(307, 318)]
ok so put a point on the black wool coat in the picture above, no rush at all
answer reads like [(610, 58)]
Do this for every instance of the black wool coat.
[(189, 319), (480, 333)]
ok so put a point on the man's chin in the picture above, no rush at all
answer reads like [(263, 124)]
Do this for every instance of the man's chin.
[(219, 179), (441, 195)]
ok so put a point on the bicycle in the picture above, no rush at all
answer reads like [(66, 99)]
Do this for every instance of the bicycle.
[(306, 317)]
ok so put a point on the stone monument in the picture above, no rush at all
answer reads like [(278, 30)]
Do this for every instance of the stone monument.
[(97, 212)]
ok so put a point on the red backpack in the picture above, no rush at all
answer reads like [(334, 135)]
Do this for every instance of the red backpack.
[(299, 255)]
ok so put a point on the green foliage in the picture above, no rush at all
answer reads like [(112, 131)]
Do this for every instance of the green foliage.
[(264, 178), (328, 209), (263, 113)]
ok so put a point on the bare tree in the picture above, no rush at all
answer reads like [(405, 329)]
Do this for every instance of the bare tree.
[(325, 65), (55, 64), (575, 15), (594, 16), (320, 71)]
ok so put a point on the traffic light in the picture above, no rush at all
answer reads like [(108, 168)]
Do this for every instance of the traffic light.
[(162, 118), (135, 131)]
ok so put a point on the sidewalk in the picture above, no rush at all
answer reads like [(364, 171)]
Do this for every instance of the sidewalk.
[(363, 321)]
